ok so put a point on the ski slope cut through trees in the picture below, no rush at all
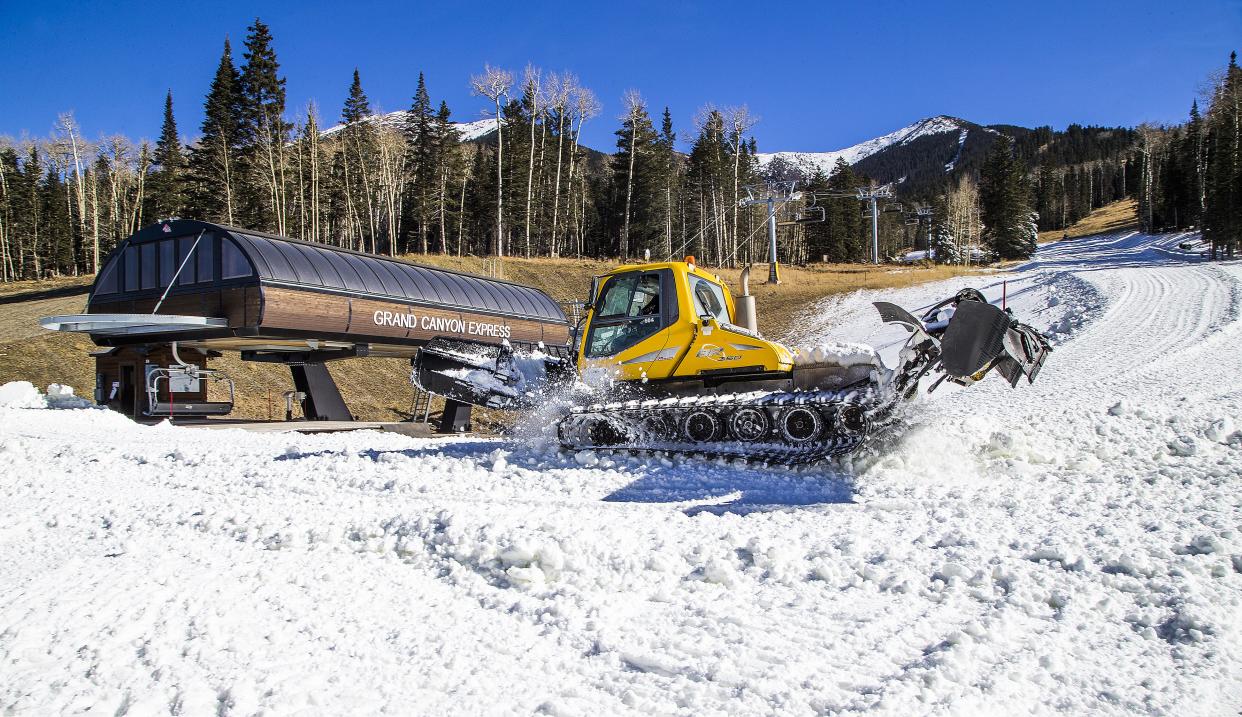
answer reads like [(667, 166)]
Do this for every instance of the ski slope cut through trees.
[(1070, 547)]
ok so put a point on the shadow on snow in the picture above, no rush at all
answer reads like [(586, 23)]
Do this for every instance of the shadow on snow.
[(695, 485)]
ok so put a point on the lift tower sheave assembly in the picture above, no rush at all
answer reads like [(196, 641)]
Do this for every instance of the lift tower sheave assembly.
[(872, 194), (771, 194)]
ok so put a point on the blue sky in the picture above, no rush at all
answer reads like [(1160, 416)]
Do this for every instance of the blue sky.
[(821, 75)]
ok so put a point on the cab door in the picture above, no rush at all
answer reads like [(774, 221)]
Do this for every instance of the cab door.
[(628, 330), (719, 347)]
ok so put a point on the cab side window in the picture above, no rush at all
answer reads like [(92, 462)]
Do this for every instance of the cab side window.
[(709, 300)]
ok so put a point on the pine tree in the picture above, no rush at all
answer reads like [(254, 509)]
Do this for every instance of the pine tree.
[(421, 148), (1194, 163), (447, 164), (1222, 220), (357, 107), (166, 189), (265, 132), (667, 164), (707, 173), (215, 162), (1008, 220), (636, 169), (846, 242), (353, 169)]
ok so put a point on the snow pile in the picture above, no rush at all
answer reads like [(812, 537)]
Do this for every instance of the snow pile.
[(837, 353), (1074, 546), (23, 394)]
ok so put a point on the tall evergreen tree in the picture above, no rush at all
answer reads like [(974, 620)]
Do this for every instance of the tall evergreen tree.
[(1009, 222), (215, 162), (708, 173), (1222, 221), (1194, 164), (265, 132), (637, 176), (667, 163), (421, 149), (166, 188), (357, 106), (353, 168)]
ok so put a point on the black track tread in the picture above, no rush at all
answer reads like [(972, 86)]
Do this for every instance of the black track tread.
[(629, 414)]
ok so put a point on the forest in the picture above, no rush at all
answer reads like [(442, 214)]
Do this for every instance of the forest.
[(408, 183)]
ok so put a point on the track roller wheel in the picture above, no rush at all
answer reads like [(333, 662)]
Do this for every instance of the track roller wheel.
[(700, 426), (603, 432), (801, 424), (657, 427), (853, 420), (749, 424)]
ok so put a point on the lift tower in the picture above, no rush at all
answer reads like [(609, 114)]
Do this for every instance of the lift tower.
[(871, 194), (771, 194)]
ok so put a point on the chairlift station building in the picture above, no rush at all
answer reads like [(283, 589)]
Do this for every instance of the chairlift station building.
[(189, 290)]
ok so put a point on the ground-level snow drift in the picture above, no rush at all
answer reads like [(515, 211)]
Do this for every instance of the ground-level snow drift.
[(1072, 546)]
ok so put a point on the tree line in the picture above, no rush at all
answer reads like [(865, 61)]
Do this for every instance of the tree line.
[(1190, 175), (407, 182), (390, 184)]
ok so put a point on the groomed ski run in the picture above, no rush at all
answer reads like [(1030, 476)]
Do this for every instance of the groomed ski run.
[(1071, 548)]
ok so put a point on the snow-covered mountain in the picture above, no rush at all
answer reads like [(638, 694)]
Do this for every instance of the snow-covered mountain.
[(467, 131), (810, 162)]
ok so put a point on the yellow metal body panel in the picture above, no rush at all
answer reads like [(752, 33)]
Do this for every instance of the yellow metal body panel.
[(689, 345)]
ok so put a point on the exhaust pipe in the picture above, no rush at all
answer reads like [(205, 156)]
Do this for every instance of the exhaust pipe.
[(745, 305)]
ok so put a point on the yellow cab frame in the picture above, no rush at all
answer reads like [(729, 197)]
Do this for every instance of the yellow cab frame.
[(671, 321)]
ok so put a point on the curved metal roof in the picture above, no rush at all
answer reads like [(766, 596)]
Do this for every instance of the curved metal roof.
[(292, 262)]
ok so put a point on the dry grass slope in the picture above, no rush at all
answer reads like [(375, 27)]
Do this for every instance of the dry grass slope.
[(378, 389), (1115, 217)]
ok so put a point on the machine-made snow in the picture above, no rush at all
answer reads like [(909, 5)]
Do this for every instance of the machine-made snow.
[(1073, 548), (662, 345)]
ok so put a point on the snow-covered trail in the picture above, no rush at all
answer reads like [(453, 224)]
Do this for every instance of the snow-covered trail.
[(1071, 546)]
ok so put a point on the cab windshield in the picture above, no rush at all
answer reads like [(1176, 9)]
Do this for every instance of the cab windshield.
[(628, 311)]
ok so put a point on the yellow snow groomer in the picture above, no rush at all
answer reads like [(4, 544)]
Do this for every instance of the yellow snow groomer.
[(668, 360)]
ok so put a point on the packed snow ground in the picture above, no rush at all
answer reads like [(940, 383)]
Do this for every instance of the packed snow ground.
[(1072, 546)]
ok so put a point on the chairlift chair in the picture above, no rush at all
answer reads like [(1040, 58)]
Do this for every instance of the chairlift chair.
[(810, 215), (189, 378)]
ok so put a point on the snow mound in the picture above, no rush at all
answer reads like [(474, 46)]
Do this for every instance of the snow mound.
[(838, 353), (23, 394)]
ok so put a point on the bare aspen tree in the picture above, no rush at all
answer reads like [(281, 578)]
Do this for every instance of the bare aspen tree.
[(312, 136), (740, 121), (559, 87), (66, 124), (7, 270), (1150, 141), (461, 206), (634, 105), (532, 87), (494, 84), (390, 181), (586, 107), (144, 165)]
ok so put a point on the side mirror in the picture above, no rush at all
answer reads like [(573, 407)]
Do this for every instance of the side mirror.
[(591, 297)]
